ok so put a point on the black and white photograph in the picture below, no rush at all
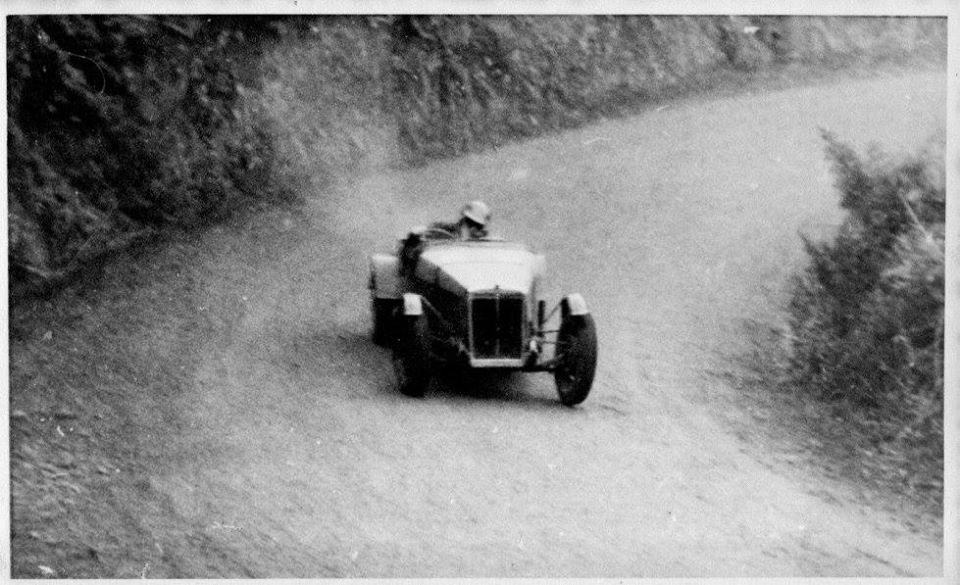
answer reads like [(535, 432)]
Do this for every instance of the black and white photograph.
[(609, 291)]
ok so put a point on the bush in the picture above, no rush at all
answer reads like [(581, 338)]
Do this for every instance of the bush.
[(867, 314)]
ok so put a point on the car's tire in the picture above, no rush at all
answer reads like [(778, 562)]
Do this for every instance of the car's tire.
[(383, 321), (411, 354), (577, 358)]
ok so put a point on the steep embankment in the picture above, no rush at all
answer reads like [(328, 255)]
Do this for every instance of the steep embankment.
[(121, 127)]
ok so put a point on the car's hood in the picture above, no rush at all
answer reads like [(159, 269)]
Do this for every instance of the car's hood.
[(473, 267)]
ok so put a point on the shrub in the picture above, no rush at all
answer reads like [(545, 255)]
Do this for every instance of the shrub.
[(867, 313)]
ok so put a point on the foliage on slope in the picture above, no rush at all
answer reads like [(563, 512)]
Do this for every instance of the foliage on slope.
[(120, 125), (327, 89)]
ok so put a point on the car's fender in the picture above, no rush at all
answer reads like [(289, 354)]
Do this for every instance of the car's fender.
[(575, 304), (384, 276)]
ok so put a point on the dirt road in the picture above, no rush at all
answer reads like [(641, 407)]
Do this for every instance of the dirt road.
[(279, 447)]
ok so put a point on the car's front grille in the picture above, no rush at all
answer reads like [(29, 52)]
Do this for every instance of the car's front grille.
[(497, 326)]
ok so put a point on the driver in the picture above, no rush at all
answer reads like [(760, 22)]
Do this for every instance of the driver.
[(472, 225)]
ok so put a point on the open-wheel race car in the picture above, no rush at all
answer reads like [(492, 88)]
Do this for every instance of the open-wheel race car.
[(473, 304)]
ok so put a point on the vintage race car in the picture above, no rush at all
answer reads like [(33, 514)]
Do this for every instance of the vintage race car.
[(474, 304)]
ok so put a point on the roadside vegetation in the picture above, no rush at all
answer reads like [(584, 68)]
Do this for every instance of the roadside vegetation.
[(860, 360)]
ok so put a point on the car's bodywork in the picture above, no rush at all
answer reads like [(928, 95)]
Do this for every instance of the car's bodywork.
[(475, 303)]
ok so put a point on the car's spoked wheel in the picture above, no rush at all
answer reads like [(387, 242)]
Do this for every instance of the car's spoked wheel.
[(411, 355), (576, 358)]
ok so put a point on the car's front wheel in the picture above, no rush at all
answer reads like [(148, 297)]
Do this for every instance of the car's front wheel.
[(576, 358), (411, 354)]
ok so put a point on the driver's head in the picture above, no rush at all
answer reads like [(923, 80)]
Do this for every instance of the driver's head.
[(475, 216)]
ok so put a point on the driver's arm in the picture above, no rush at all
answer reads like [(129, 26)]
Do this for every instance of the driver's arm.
[(451, 228), (411, 245)]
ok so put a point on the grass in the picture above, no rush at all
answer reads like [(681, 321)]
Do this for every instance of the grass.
[(835, 437)]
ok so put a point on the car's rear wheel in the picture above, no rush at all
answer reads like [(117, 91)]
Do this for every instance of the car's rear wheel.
[(411, 354), (383, 315), (576, 358)]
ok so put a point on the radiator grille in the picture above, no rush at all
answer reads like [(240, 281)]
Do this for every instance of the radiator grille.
[(497, 326)]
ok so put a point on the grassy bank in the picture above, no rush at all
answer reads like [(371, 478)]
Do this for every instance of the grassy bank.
[(122, 127)]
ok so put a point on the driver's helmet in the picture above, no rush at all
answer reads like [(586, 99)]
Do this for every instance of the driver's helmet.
[(477, 212)]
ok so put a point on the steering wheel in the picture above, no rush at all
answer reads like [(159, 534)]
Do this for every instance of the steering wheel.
[(435, 233)]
